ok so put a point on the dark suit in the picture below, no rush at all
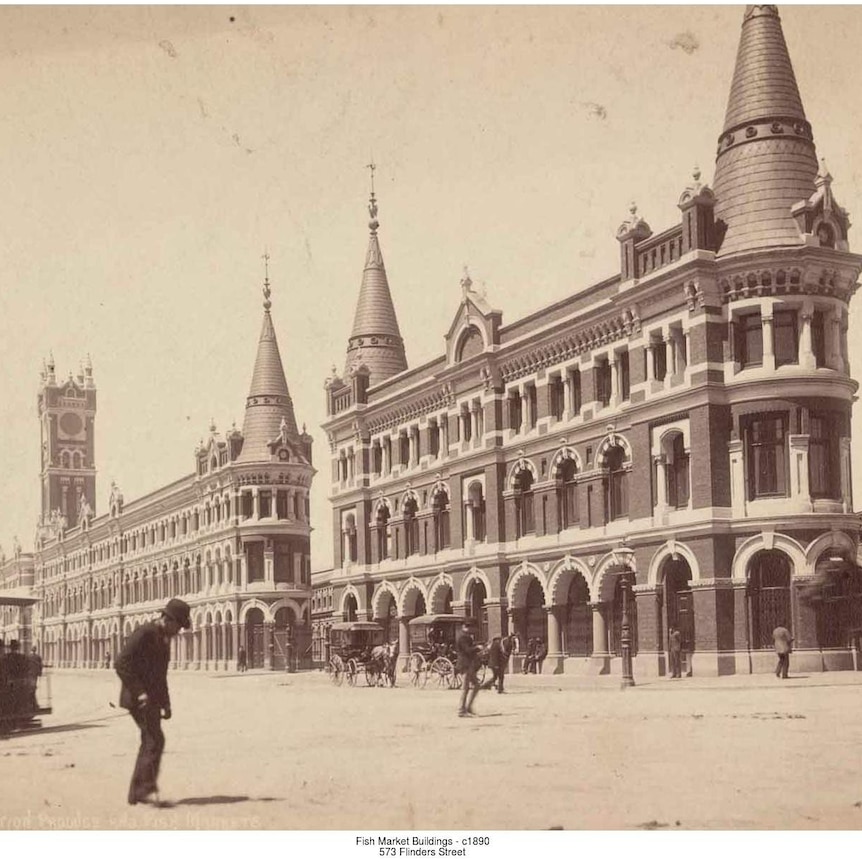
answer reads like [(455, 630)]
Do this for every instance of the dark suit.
[(142, 665), (497, 663), (468, 664)]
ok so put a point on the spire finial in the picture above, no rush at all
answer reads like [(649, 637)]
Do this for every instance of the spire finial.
[(696, 174), (372, 206), (466, 282), (266, 291)]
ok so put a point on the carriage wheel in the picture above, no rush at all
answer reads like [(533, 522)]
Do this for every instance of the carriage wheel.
[(444, 671), (351, 671), (417, 669), (336, 670)]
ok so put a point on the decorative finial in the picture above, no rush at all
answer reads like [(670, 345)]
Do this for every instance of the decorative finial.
[(696, 174), (266, 291), (373, 224), (466, 282), (212, 426), (633, 209)]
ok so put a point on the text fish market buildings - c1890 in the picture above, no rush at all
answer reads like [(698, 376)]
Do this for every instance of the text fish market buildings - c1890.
[(686, 422)]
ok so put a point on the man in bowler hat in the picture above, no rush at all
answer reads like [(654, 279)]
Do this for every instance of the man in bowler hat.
[(468, 664), (142, 665)]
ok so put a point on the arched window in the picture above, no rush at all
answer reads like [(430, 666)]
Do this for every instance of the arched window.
[(524, 518), (440, 508), (617, 497), (677, 463), (64, 459), (350, 609), (476, 511), (567, 494), (477, 609), (411, 527), (472, 344), (768, 596), (350, 538), (382, 530), (837, 599)]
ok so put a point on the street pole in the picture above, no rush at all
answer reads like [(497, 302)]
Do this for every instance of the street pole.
[(628, 679)]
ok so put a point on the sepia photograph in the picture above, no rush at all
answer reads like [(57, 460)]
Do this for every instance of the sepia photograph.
[(428, 429)]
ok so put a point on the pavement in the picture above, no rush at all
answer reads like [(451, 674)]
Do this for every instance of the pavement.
[(291, 751)]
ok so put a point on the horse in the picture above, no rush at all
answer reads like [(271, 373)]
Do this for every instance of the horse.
[(383, 663)]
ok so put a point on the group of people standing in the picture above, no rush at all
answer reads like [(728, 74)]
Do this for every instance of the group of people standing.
[(19, 677)]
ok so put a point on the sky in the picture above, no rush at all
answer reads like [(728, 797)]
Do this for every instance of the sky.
[(153, 154)]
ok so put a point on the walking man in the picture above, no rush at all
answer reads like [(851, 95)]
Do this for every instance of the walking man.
[(675, 653), (241, 664), (497, 662), (468, 664), (783, 647), (34, 671), (142, 665)]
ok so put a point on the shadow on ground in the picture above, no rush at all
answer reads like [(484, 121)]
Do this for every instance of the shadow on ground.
[(217, 800), (57, 728)]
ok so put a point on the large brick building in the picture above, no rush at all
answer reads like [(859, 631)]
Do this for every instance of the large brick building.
[(685, 422), (231, 538)]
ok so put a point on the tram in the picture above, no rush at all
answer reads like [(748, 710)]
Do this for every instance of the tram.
[(25, 684)]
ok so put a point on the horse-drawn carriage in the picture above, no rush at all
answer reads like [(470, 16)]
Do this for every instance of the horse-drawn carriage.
[(359, 648), (433, 655)]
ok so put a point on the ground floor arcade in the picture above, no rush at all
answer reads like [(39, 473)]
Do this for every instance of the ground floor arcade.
[(725, 597), (274, 633)]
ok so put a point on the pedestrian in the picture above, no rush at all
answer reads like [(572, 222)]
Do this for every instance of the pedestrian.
[(675, 651), (468, 664), (17, 688), (541, 655), (107, 659), (783, 647), (496, 662), (392, 662), (34, 671), (142, 665), (507, 645), (528, 656), (241, 664)]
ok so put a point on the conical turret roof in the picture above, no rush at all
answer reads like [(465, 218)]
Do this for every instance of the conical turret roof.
[(375, 340), (269, 400), (766, 159)]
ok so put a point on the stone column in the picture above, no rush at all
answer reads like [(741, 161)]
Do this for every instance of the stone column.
[(403, 642), (615, 379), (737, 478), (768, 340), (554, 660), (807, 360), (799, 489), (255, 497), (846, 485), (567, 395), (268, 648), (525, 409), (660, 484), (650, 363), (601, 657)]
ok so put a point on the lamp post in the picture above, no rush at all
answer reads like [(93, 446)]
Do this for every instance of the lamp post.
[(623, 557)]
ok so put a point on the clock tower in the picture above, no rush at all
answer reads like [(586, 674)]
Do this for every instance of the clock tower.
[(67, 412)]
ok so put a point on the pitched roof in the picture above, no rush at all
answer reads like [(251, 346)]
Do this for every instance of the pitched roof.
[(766, 159), (375, 340), (268, 399)]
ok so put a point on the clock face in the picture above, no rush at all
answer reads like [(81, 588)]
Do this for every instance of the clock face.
[(71, 424)]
